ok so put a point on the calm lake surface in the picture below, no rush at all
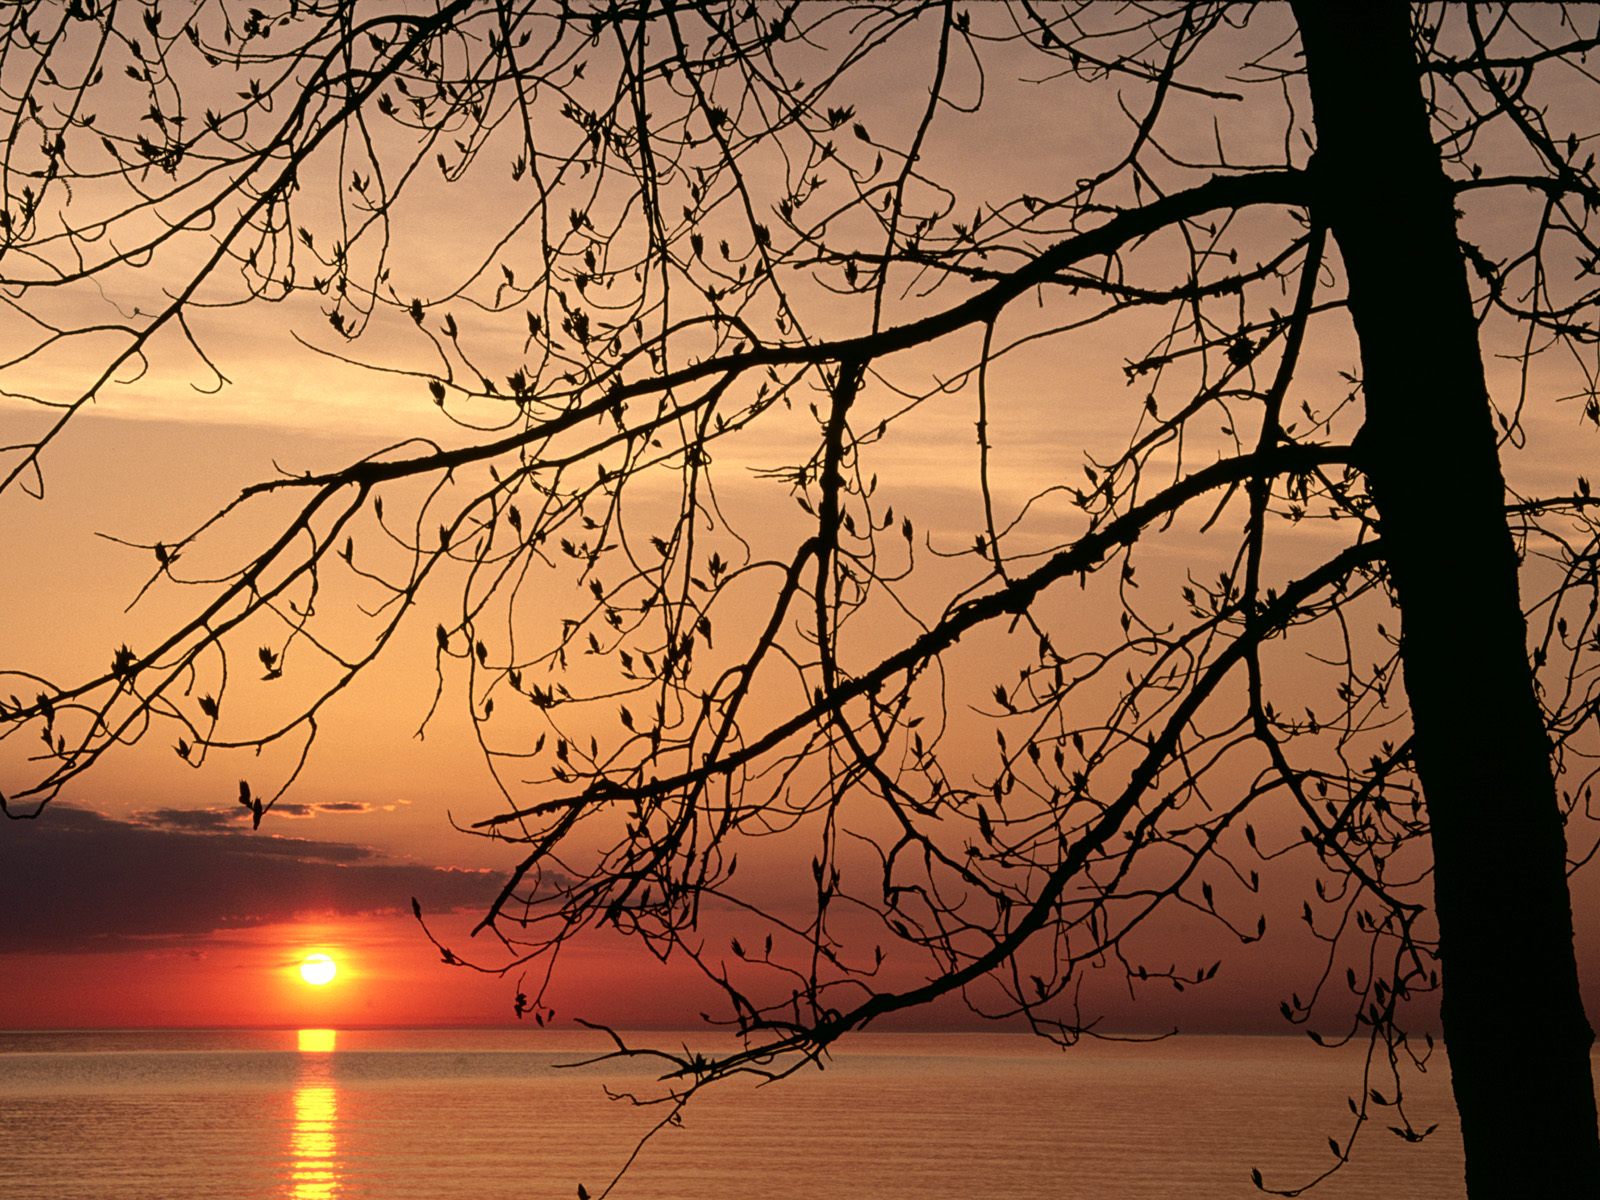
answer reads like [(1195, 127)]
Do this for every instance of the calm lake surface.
[(486, 1115)]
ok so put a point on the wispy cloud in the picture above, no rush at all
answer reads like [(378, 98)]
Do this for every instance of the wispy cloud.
[(75, 880), (238, 819)]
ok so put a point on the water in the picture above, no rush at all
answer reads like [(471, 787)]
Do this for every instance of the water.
[(486, 1115)]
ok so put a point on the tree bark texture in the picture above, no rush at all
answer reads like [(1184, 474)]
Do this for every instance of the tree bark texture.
[(1515, 1030)]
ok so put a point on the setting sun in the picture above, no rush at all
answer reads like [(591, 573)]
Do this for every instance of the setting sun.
[(318, 969)]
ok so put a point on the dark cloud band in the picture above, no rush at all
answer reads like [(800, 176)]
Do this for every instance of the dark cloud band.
[(75, 880)]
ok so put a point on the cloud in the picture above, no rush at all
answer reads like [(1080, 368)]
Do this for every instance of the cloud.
[(74, 880), (234, 818), (237, 822), (208, 819)]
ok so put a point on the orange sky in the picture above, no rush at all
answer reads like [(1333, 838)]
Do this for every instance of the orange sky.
[(166, 910), (143, 899)]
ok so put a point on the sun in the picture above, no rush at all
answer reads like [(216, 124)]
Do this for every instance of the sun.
[(318, 969)]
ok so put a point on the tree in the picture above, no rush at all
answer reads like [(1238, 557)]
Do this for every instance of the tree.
[(695, 240)]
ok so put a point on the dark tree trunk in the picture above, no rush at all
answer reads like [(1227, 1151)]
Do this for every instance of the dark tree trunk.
[(1514, 1024)]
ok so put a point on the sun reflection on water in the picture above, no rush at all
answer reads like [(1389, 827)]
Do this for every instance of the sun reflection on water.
[(314, 1167)]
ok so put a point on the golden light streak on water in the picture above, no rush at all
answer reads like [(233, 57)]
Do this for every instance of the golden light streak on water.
[(314, 1167)]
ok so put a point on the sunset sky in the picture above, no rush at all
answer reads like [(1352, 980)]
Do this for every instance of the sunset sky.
[(142, 897)]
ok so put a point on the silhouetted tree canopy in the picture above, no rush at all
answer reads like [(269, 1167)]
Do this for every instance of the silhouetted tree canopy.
[(943, 445)]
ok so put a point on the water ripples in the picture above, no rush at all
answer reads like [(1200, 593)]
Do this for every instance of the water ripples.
[(486, 1116)]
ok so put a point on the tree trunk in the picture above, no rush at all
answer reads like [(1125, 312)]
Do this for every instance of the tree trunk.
[(1514, 1024)]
